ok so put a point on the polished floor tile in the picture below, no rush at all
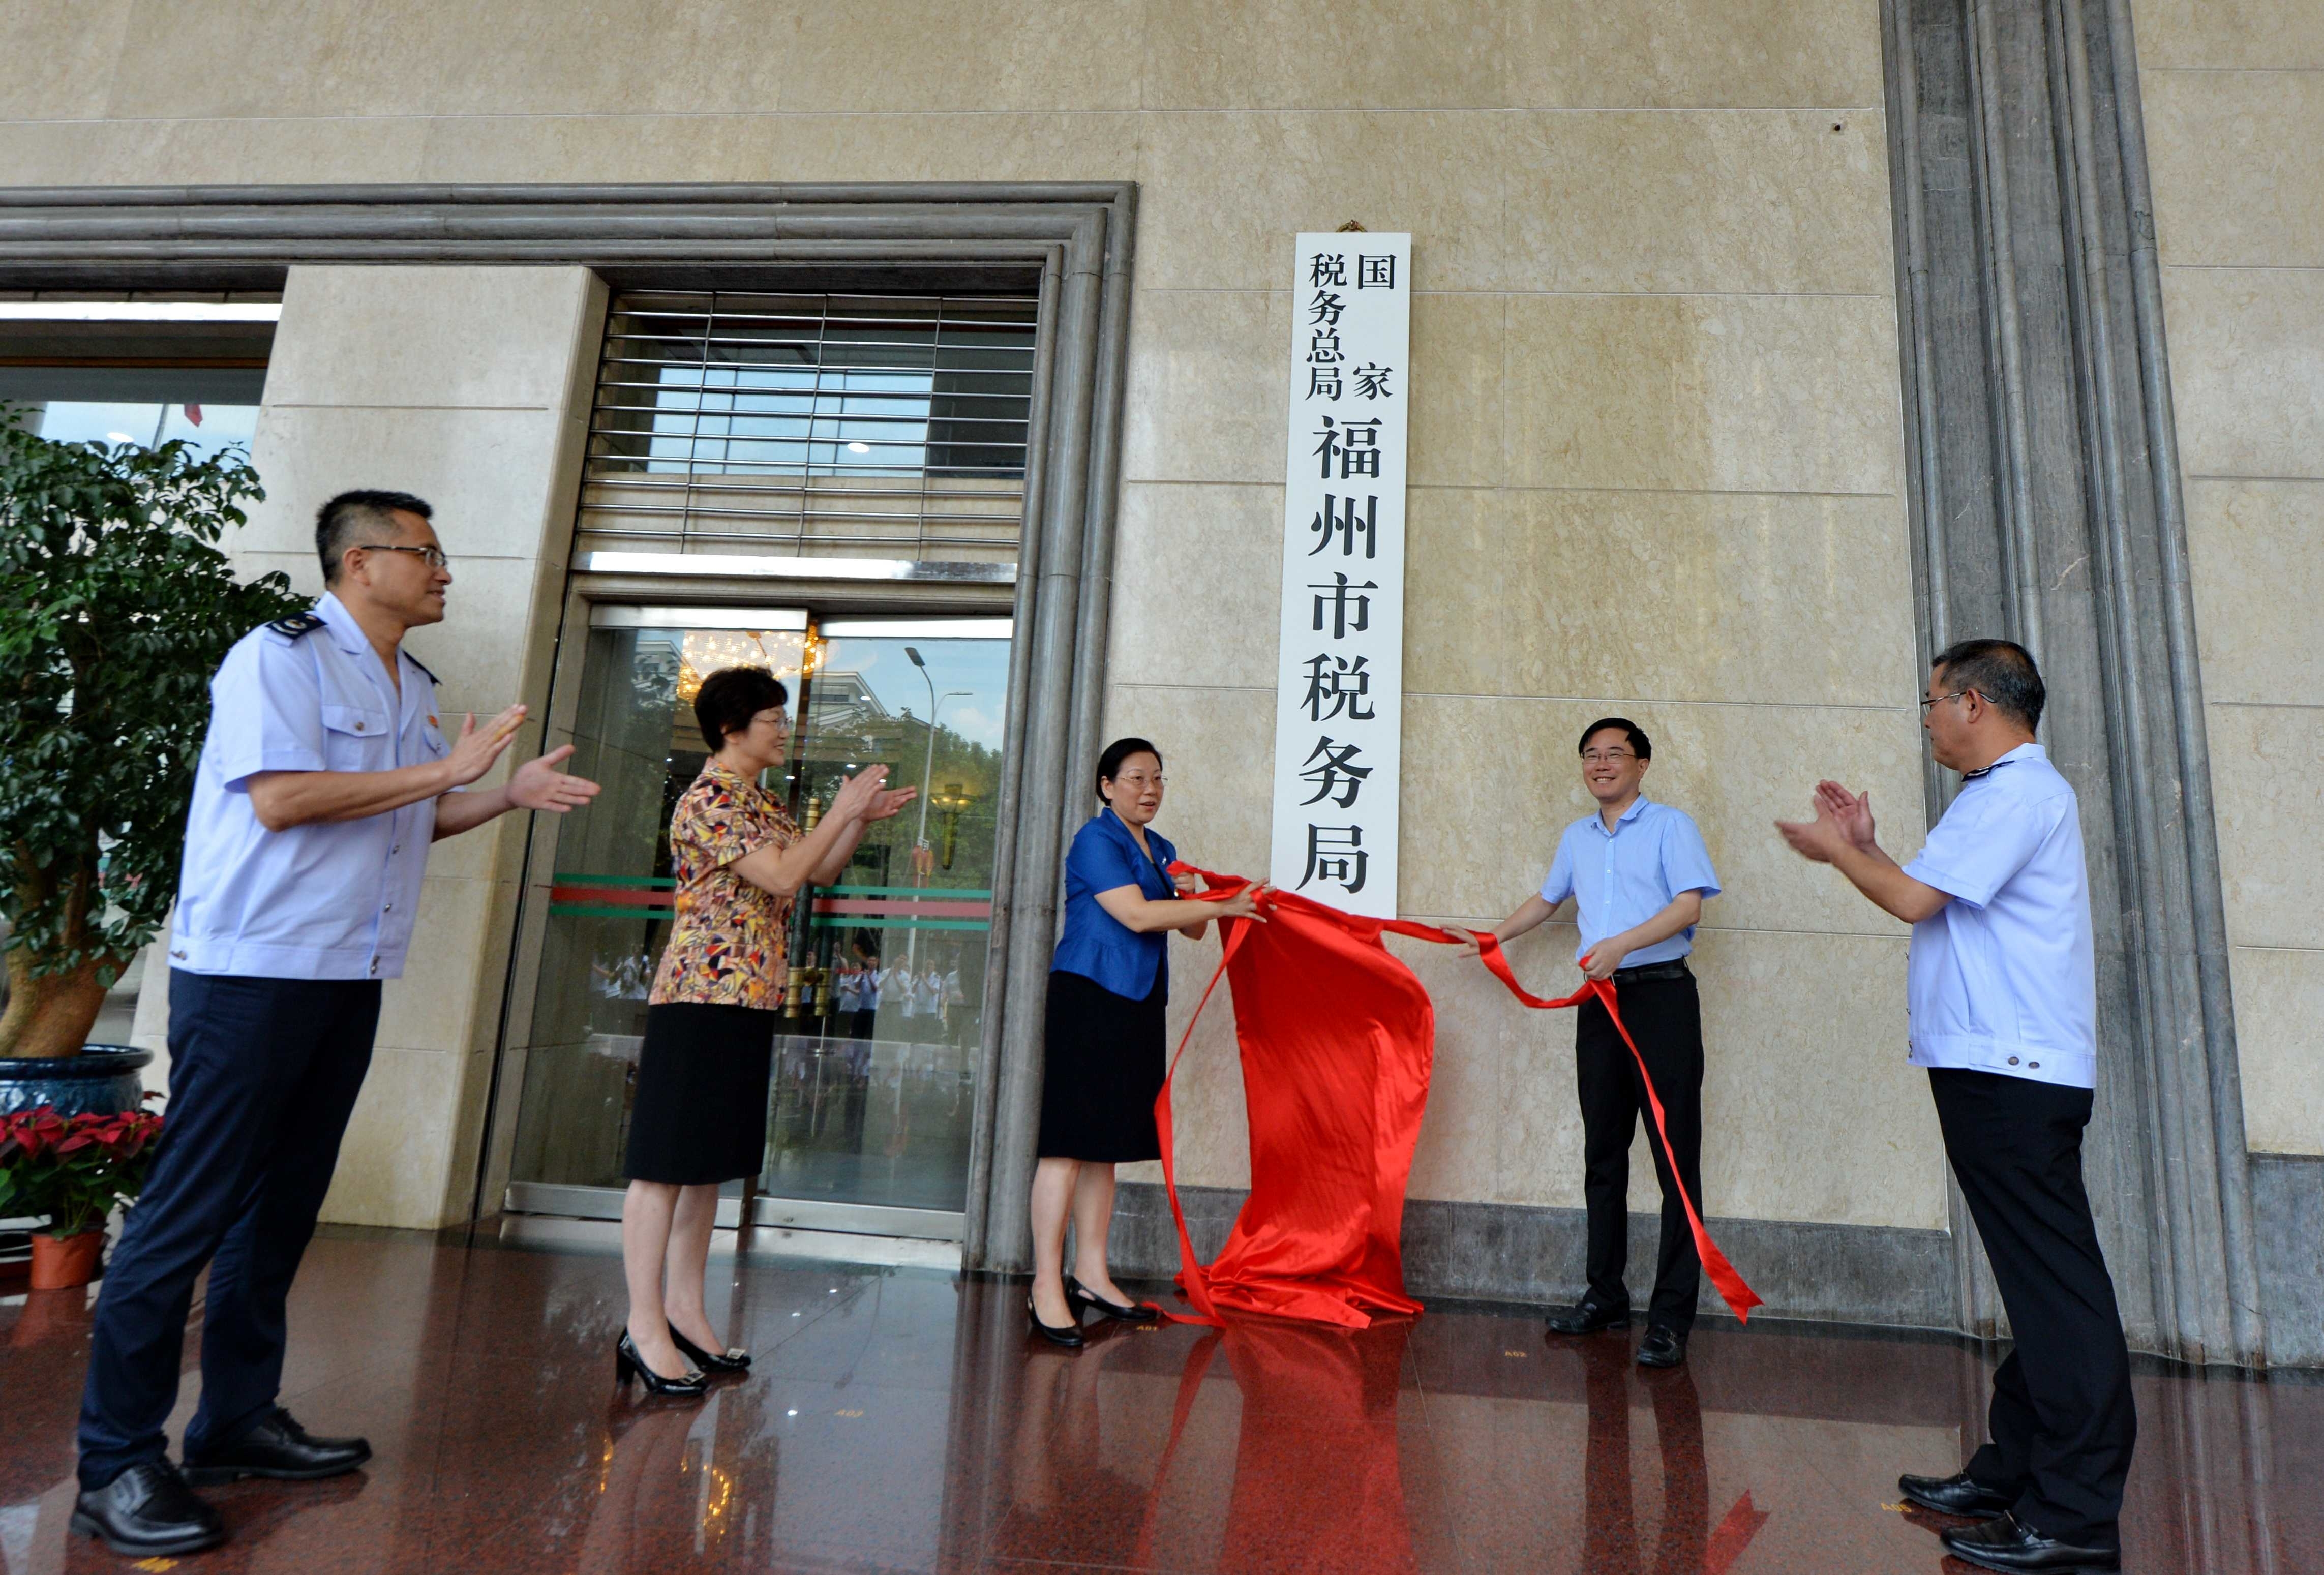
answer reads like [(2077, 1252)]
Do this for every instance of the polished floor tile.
[(899, 1420)]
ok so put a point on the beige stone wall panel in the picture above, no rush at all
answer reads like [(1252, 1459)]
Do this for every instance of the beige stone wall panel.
[(2247, 369), (1657, 202), (2256, 555), (2227, 35), (2279, 1002), (77, 47), (2267, 776), (1209, 380), (1733, 393), (1704, 596), (1316, 54), (2235, 177), (1198, 575), (209, 152), (1694, 54), (1223, 194)]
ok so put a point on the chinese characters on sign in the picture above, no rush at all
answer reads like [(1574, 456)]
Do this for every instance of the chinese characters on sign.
[(1339, 703)]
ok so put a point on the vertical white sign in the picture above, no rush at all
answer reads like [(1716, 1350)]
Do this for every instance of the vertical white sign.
[(1339, 704)]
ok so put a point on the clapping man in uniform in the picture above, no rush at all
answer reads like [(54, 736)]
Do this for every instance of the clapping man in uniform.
[(323, 778), (2002, 992), (1638, 874)]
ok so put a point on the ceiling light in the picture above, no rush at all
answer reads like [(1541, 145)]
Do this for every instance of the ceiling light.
[(146, 312), (859, 449)]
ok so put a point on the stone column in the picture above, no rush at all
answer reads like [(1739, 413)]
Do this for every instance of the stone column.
[(471, 387), (2046, 506)]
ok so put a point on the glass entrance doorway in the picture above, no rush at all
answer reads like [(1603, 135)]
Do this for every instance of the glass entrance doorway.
[(872, 1105)]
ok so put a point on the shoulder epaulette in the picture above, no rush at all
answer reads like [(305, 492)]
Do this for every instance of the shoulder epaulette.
[(297, 625)]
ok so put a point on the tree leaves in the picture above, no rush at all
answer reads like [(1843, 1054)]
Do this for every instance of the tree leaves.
[(117, 605)]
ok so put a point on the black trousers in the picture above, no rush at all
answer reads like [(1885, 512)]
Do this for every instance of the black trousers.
[(263, 1074), (1665, 1016), (2062, 1421)]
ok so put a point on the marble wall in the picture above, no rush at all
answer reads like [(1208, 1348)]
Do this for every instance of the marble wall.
[(2235, 110), (1655, 446)]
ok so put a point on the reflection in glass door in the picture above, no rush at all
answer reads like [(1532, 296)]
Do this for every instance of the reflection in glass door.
[(874, 1069)]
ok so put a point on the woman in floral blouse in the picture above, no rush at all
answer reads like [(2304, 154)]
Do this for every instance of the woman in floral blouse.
[(700, 1115)]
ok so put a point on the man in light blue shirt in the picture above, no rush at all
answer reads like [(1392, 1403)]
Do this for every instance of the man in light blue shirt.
[(325, 776), (2002, 995), (1638, 875)]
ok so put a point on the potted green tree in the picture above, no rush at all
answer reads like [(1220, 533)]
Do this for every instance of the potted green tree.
[(71, 1171), (116, 604)]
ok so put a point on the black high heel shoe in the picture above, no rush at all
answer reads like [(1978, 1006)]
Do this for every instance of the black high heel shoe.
[(1068, 1335), (628, 1364), (1078, 1296), (733, 1359)]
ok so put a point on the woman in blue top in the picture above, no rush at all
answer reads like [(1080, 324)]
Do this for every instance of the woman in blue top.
[(1108, 987)]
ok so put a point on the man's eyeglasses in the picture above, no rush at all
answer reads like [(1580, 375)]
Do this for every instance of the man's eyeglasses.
[(1929, 700), (433, 557), (1605, 757)]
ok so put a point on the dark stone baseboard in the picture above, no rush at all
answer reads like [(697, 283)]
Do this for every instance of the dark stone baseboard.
[(1499, 1252), (2288, 1212)]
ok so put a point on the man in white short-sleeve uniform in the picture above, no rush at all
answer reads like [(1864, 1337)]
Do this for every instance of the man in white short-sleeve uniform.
[(325, 776), (2003, 993)]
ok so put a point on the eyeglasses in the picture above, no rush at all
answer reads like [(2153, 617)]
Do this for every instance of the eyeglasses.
[(1605, 757), (433, 557), (1929, 700)]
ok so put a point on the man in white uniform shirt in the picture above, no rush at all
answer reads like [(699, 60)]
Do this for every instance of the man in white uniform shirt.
[(2003, 993), (325, 776)]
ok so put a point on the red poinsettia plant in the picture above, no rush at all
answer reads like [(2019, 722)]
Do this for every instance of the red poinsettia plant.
[(73, 1168)]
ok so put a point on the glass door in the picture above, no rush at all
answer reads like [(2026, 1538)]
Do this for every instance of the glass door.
[(873, 1088)]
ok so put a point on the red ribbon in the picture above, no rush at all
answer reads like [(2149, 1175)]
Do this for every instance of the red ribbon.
[(1738, 1295)]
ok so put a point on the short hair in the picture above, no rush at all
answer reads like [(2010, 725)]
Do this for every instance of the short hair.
[(730, 698), (1640, 744), (1109, 764), (360, 518), (2002, 671)]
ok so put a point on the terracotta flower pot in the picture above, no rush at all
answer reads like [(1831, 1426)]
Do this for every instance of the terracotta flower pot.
[(61, 1262)]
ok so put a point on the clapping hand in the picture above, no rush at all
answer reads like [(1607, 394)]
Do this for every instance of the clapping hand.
[(538, 784), (476, 748), (1853, 810), (867, 797)]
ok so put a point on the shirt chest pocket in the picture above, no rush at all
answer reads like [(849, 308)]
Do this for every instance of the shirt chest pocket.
[(355, 739)]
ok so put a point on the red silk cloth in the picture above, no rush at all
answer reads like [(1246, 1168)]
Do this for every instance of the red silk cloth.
[(1338, 1039)]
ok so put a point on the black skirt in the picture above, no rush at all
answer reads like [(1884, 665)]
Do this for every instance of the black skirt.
[(700, 1114), (1102, 1066)]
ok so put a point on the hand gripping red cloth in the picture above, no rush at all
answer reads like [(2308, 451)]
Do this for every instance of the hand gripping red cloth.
[(1338, 1038)]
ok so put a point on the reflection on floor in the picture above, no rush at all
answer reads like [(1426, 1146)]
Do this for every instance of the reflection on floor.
[(899, 1420)]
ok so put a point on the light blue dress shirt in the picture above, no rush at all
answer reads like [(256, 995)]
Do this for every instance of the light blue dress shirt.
[(1622, 878), (1105, 857), (2002, 978), (319, 901)]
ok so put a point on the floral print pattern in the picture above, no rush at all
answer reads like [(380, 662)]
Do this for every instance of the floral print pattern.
[(730, 945)]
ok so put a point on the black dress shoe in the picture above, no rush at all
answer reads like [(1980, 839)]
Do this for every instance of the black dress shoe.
[(733, 1360), (1078, 1296), (1587, 1317), (2008, 1542), (277, 1448), (1958, 1494), (148, 1511), (628, 1364), (1662, 1348), (1068, 1335)]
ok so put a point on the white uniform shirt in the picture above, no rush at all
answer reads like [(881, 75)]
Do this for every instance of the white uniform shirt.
[(319, 901), (2002, 978)]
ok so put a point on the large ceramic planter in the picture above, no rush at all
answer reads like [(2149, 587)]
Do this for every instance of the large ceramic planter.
[(102, 1080), (61, 1262)]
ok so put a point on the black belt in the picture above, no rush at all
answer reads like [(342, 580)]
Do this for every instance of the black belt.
[(1650, 972)]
